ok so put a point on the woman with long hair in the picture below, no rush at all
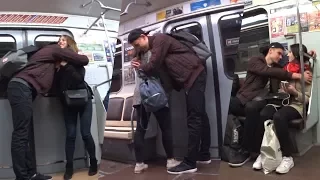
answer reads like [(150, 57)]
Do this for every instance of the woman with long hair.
[(71, 77)]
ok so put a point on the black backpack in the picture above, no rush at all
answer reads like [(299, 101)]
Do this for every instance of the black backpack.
[(193, 43)]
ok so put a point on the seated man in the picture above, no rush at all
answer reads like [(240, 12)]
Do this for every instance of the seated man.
[(259, 82), (22, 90)]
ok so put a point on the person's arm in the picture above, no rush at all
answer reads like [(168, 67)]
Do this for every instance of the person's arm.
[(160, 47), (256, 66), (69, 56), (299, 94)]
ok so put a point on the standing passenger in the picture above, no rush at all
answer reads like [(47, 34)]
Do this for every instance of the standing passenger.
[(22, 90), (188, 72), (71, 77)]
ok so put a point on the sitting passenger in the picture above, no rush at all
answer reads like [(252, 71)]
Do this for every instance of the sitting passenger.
[(71, 77), (285, 114), (260, 80), (162, 116)]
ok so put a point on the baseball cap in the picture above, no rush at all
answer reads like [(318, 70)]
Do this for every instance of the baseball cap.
[(276, 45), (135, 34)]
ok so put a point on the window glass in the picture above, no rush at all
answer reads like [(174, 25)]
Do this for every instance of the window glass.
[(229, 27), (44, 40), (254, 35), (117, 69), (7, 43), (193, 28)]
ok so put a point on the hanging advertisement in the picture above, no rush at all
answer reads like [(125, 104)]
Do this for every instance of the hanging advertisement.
[(277, 27), (128, 52), (314, 21), (203, 4), (94, 52), (129, 75), (164, 14)]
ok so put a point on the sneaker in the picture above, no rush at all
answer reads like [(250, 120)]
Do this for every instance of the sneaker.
[(140, 167), (39, 176), (182, 168), (204, 161), (285, 166), (172, 163), (239, 158), (257, 165)]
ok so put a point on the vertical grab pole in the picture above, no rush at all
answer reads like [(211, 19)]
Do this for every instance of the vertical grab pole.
[(301, 62), (109, 43)]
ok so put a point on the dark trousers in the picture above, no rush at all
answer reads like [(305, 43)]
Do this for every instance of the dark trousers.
[(205, 141), (21, 97), (281, 119), (253, 126), (163, 118), (195, 98), (71, 118)]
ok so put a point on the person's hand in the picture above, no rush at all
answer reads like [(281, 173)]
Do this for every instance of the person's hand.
[(308, 77), (313, 53), (135, 63), (63, 63), (291, 90)]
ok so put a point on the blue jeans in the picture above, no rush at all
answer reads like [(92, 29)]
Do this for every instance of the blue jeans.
[(71, 118)]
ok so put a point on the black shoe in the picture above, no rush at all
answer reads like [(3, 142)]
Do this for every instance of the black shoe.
[(204, 160), (93, 170), (239, 158), (39, 176), (182, 168), (69, 171)]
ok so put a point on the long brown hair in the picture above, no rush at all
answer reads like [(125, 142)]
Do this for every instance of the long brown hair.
[(71, 43)]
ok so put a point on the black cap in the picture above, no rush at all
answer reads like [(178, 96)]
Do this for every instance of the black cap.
[(276, 45), (135, 34)]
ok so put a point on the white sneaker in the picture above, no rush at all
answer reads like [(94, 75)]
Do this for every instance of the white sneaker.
[(285, 166), (257, 165), (140, 167), (172, 163)]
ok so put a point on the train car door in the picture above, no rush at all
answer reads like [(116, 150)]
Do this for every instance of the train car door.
[(9, 40)]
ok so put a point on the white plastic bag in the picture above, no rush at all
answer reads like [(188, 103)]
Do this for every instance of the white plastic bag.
[(271, 154)]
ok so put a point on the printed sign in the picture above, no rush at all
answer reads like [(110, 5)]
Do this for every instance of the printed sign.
[(203, 4), (277, 27), (232, 41), (38, 19), (169, 13), (314, 21), (129, 75), (128, 52), (95, 52)]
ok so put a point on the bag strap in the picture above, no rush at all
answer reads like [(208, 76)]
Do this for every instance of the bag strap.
[(268, 123)]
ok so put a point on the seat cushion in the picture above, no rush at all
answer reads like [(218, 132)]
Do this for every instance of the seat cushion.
[(128, 109), (115, 108)]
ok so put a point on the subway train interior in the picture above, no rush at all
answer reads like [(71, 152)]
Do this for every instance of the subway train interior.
[(233, 30)]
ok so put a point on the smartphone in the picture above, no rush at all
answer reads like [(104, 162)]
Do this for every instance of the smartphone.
[(284, 84)]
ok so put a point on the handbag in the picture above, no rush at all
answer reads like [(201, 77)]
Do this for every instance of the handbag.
[(78, 97), (271, 155), (279, 99)]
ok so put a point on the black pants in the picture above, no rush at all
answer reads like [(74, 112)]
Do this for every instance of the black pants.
[(281, 119), (252, 125), (21, 97), (71, 118), (196, 112), (163, 118), (205, 142)]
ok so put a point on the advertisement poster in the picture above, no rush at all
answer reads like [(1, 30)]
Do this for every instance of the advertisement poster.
[(314, 21), (169, 13), (129, 75), (277, 27), (203, 4), (128, 52), (95, 52), (107, 51)]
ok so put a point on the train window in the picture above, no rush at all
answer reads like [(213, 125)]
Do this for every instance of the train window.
[(254, 35), (117, 69), (7, 43), (193, 28), (229, 27), (43, 40)]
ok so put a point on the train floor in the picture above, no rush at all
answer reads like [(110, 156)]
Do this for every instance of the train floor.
[(156, 171), (306, 167)]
